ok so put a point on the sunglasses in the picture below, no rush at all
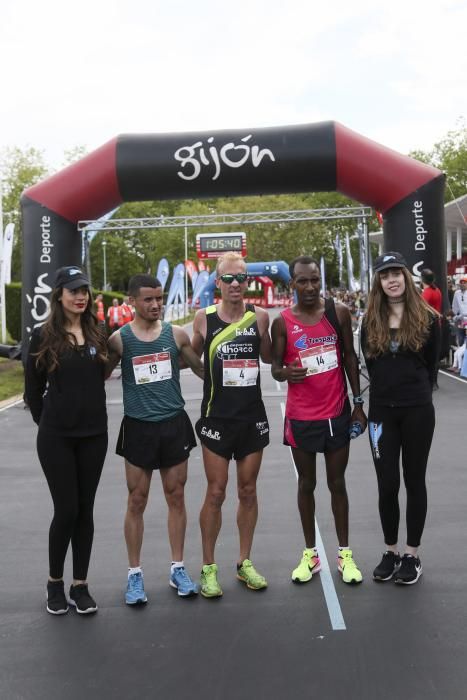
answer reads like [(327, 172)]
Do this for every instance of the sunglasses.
[(228, 279)]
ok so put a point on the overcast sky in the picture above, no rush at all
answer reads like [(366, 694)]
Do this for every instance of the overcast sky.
[(81, 73)]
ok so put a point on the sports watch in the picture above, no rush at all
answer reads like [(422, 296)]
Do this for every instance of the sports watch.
[(358, 400)]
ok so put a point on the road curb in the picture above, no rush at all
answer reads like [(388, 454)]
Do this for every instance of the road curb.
[(10, 401)]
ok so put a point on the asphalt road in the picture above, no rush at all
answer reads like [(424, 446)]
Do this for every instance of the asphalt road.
[(323, 639)]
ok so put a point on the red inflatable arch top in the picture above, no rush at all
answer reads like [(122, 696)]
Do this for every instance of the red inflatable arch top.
[(312, 157)]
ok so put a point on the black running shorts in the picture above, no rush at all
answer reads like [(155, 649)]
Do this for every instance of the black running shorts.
[(233, 439), (156, 445), (318, 435)]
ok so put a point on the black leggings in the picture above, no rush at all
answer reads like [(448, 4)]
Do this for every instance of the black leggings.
[(72, 467), (391, 430)]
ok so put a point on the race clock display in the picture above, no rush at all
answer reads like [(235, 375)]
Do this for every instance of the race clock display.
[(212, 245)]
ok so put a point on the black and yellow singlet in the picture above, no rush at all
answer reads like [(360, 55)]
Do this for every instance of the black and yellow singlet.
[(231, 361)]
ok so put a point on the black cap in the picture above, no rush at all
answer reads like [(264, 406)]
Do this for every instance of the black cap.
[(71, 277), (387, 260)]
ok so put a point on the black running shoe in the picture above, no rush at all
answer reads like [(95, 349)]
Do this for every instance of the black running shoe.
[(57, 603), (82, 600), (410, 571), (389, 564)]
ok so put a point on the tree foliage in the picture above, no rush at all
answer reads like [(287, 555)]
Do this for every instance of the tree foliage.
[(450, 156), (20, 169)]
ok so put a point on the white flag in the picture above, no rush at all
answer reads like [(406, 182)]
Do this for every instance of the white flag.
[(338, 248), (7, 253), (323, 277), (351, 278)]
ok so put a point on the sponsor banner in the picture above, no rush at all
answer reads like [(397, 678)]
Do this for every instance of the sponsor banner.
[(177, 279), (351, 279), (93, 229), (338, 249), (7, 253), (240, 161), (51, 242), (415, 227), (163, 272), (201, 283), (322, 268), (192, 271)]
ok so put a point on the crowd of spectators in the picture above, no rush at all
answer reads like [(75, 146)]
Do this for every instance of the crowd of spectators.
[(355, 301), (453, 321)]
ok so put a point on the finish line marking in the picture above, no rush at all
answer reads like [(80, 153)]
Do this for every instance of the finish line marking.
[(329, 590)]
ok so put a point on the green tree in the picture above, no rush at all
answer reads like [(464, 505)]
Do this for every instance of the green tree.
[(122, 261), (269, 241), (72, 155), (450, 156), (20, 169)]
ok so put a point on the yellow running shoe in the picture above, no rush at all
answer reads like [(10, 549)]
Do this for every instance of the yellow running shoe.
[(209, 584), (247, 573), (348, 568), (309, 565)]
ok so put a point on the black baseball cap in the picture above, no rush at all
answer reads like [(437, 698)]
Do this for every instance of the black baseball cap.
[(387, 260), (71, 277)]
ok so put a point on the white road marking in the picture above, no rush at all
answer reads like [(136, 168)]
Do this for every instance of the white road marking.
[(453, 376), (329, 590)]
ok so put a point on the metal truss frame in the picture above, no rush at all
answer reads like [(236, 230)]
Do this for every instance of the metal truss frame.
[(216, 220)]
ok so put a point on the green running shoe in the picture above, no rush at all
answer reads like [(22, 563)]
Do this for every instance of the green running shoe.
[(348, 568), (309, 565), (247, 573), (208, 580)]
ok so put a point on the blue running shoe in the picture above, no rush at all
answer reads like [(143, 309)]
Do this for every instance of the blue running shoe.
[(135, 590), (181, 580)]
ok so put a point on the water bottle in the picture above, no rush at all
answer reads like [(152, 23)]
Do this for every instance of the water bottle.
[(355, 430)]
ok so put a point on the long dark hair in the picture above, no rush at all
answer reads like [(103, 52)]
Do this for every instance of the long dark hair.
[(415, 322), (56, 340)]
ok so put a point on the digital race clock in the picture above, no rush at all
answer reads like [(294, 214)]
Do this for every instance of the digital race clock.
[(212, 245)]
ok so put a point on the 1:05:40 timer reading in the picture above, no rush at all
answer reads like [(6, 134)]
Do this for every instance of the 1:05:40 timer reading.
[(223, 243)]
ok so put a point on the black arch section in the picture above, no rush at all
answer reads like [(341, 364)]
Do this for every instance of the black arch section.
[(313, 157)]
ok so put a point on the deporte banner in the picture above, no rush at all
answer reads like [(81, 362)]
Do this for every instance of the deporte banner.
[(312, 157)]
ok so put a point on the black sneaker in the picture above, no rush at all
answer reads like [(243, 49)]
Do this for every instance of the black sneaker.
[(57, 603), (80, 598), (389, 564), (410, 571)]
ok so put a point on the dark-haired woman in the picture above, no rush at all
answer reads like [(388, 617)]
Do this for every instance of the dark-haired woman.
[(65, 391), (400, 342)]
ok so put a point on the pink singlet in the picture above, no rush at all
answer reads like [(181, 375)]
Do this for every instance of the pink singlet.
[(323, 392)]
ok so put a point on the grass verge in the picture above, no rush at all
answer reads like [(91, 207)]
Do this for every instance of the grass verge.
[(12, 374), (11, 378)]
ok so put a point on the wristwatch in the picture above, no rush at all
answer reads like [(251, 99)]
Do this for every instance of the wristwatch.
[(358, 400)]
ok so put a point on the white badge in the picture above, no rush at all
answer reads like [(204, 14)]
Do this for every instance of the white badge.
[(240, 372), (152, 368), (319, 359)]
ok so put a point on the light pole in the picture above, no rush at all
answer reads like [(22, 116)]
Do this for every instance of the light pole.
[(104, 243)]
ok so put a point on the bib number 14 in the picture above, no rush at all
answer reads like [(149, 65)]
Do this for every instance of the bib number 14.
[(319, 359)]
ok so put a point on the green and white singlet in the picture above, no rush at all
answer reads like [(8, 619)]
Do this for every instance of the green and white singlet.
[(151, 376)]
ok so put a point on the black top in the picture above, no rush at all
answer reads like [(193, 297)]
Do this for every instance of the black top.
[(69, 401), (400, 377), (231, 353)]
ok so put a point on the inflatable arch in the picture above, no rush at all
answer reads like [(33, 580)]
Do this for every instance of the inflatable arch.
[(313, 157)]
